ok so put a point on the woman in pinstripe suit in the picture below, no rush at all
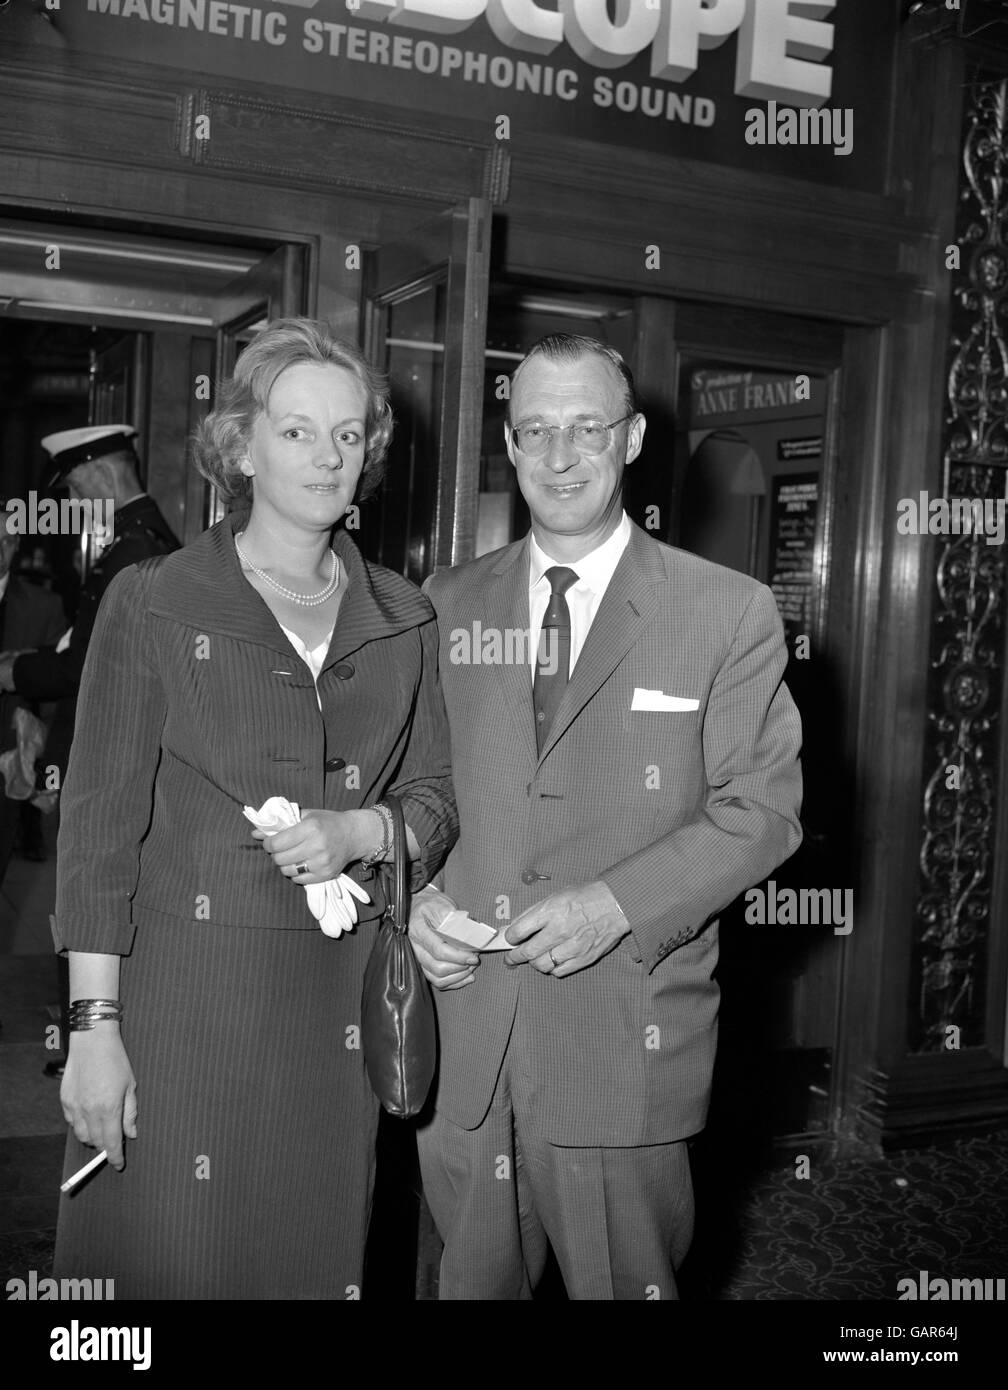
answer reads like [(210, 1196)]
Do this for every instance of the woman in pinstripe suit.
[(265, 659)]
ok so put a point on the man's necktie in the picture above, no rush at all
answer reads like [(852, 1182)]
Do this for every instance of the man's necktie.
[(553, 655)]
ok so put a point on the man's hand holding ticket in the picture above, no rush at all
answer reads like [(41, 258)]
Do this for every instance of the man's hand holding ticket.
[(446, 940)]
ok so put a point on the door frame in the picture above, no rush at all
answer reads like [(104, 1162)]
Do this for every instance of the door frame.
[(457, 243), (855, 361)]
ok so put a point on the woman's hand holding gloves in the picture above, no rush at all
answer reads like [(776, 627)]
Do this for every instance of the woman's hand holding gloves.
[(323, 840)]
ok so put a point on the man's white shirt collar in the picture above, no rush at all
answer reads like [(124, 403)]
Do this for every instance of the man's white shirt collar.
[(594, 570)]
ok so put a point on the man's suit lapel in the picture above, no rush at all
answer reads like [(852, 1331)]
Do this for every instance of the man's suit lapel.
[(629, 605), (507, 607)]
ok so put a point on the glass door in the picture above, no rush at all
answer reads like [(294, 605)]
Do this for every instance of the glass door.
[(425, 307)]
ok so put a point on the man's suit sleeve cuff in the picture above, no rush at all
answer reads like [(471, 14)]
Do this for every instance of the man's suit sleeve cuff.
[(651, 936)]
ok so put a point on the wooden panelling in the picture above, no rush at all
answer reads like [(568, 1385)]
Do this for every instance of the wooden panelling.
[(121, 123), (925, 1098), (328, 147), (581, 210), (275, 137), (590, 213)]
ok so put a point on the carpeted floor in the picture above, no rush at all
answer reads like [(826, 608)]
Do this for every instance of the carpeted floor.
[(856, 1226)]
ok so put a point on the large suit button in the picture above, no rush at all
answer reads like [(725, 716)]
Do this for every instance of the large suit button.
[(334, 764), (343, 670)]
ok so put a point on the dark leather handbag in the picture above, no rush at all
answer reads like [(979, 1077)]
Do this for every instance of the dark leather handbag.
[(398, 1030)]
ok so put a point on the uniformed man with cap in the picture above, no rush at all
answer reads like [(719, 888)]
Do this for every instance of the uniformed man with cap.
[(96, 463)]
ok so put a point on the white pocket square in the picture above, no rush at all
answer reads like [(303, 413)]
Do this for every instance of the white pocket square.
[(656, 699)]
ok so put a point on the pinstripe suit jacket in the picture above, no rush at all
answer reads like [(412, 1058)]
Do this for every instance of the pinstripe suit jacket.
[(193, 704), (678, 811)]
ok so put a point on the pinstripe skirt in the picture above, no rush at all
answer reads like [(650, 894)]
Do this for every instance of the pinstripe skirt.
[(252, 1173)]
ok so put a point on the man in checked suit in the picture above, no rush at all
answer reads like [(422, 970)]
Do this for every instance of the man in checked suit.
[(616, 790)]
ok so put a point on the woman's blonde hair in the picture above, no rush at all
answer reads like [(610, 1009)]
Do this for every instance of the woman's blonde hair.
[(222, 439)]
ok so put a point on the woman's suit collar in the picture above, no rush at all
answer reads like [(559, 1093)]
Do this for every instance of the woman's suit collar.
[(203, 586)]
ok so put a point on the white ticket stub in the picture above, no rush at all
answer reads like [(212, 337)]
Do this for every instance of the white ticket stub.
[(460, 927)]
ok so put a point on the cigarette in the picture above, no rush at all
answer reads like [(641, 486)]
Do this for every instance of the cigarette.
[(82, 1173)]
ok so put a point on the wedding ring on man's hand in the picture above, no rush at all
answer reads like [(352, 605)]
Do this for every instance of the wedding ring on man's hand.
[(300, 868), (553, 958)]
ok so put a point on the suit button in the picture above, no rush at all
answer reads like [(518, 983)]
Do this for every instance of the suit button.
[(344, 670), (334, 764)]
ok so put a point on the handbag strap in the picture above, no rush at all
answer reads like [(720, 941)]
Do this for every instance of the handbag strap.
[(400, 857)]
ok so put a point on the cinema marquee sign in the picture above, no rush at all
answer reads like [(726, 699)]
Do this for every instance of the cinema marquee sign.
[(671, 32), (669, 75)]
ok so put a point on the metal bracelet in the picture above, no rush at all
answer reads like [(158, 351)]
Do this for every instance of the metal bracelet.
[(85, 1013), (86, 1023), (386, 819)]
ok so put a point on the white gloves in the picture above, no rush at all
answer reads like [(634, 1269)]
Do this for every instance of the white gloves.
[(331, 904)]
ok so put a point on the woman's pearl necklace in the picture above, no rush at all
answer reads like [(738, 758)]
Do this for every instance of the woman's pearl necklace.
[(309, 601)]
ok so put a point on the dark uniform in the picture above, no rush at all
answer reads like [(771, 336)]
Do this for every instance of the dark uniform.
[(140, 532)]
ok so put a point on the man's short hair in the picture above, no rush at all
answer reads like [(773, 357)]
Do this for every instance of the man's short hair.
[(571, 347), (123, 464)]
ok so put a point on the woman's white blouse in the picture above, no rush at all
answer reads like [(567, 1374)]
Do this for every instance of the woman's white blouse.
[(313, 657)]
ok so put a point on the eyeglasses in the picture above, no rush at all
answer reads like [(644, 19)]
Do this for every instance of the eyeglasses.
[(586, 436)]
